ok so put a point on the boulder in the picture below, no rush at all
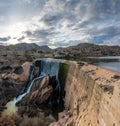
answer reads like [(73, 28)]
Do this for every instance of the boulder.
[(18, 70), (20, 74), (44, 82), (36, 71), (45, 93), (65, 119)]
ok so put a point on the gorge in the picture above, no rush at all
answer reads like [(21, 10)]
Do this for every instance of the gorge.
[(91, 94)]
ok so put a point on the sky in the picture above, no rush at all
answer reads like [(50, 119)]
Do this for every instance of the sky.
[(60, 23)]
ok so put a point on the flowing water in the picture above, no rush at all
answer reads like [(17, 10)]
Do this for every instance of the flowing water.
[(46, 67), (52, 68)]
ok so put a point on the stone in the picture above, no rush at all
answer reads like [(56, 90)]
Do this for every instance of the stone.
[(45, 82), (36, 71), (20, 77), (45, 93), (91, 97), (61, 114), (18, 70)]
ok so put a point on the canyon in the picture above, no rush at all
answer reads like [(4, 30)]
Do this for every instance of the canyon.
[(89, 95)]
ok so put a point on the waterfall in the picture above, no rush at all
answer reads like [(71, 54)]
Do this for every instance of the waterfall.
[(51, 67), (47, 67), (30, 85)]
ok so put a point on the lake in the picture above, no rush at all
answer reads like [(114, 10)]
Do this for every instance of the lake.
[(108, 62)]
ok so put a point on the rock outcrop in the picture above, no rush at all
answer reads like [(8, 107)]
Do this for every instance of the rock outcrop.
[(37, 98), (20, 74), (41, 90), (10, 77), (86, 50), (92, 96)]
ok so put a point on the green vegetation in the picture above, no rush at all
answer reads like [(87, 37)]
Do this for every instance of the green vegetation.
[(63, 75), (40, 51), (15, 53), (27, 56)]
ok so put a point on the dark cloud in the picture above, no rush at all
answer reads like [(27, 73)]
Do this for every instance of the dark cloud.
[(51, 19), (40, 33), (4, 39), (21, 38), (67, 22), (64, 43)]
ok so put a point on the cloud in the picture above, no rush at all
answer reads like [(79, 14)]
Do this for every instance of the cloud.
[(67, 22), (4, 39), (21, 38)]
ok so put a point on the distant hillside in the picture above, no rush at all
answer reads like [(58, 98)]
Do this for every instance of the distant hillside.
[(87, 49), (24, 47), (72, 52)]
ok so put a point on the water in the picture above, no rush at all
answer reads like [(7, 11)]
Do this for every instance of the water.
[(47, 67), (52, 68), (107, 57), (109, 62), (11, 108)]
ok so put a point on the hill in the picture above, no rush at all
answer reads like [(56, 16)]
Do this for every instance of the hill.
[(86, 50), (32, 51)]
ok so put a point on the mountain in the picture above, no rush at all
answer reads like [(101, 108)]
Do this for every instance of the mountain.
[(24, 47), (87, 49), (71, 52)]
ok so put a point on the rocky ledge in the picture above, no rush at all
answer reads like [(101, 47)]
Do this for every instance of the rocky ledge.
[(91, 95)]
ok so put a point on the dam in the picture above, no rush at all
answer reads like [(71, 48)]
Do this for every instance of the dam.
[(91, 94)]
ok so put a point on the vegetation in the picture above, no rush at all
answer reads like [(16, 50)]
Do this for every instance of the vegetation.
[(6, 121), (63, 71), (16, 120), (15, 53), (27, 56)]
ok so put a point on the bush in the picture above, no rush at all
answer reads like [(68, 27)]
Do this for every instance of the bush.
[(6, 120), (35, 121), (28, 56), (17, 120)]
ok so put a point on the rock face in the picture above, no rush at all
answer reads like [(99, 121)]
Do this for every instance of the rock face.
[(10, 77), (38, 97), (7, 92), (92, 95), (20, 74), (41, 91)]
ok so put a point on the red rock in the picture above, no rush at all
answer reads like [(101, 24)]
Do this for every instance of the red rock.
[(44, 82), (45, 93)]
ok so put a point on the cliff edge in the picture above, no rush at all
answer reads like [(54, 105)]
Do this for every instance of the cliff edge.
[(92, 97)]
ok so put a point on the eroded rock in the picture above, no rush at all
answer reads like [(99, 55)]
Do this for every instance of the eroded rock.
[(20, 75)]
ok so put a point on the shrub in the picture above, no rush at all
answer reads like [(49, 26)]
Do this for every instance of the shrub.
[(6, 120), (35, 121), (27, 56)]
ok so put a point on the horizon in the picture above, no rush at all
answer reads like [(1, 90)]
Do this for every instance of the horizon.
[(52, 47), (60, 23)]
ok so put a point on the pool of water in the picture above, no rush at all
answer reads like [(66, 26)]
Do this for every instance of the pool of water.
[(11, 108), (108, 62)]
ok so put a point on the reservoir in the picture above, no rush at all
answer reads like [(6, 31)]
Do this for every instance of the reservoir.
[(108, 62)]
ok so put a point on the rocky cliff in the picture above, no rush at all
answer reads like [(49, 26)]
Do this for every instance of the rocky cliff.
[(91, 94), (92, 97)]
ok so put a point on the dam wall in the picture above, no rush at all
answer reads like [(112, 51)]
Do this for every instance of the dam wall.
[(92, 94)]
